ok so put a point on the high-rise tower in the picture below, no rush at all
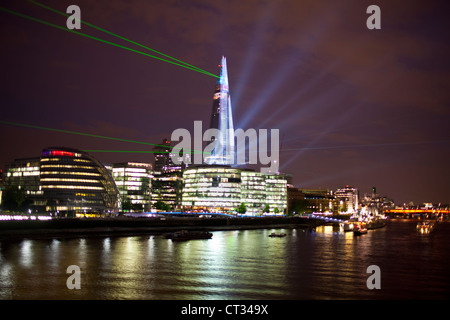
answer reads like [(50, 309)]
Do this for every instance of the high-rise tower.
[(222, 119)]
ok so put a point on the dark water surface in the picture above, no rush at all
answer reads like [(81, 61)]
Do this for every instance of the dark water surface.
[(246, 264)]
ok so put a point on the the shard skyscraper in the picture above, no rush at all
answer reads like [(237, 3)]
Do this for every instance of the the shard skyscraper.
[(223, 151)]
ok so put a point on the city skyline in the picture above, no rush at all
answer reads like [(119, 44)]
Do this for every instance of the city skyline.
[(354, 106)]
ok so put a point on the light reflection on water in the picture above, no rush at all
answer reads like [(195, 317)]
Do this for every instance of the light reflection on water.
[(246, 264)]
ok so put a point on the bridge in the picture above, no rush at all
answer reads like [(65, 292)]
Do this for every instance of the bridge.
[(418, 211)]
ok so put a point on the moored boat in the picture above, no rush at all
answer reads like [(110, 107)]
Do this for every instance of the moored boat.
[(347, 226), (184, 235), (279, 235), (376, 223), (360, 229)]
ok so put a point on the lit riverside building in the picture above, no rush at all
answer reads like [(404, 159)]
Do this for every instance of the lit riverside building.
[(64, 181), (348, 199), (217, 188), (133, 180), (24, 176), (167, 179)]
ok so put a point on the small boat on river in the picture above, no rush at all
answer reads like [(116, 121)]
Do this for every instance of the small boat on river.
[(185, 235), (425, 226), (359, 229), (279, 235)]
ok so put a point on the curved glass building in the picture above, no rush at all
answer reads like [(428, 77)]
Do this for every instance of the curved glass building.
[(72, 181)]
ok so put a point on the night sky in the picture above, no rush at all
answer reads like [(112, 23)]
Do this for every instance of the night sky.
[(354, 106)]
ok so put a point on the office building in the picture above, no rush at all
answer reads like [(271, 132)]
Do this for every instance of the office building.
[(347, 198), (167, 181), (133, 181), (22, 188), (163, 161), (218, 188), (167, 187), (303, 200)]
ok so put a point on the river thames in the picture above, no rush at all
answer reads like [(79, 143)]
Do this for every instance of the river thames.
[(244, 264)]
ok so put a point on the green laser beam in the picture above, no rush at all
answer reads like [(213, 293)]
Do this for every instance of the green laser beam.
[(126, 151), (98, 39), (97, 136), (120, 37), (136, 151), (78, 133)]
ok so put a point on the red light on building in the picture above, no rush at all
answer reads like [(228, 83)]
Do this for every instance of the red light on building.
[(62, 153)]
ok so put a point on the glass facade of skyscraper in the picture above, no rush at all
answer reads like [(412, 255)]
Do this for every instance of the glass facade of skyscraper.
[(222, 120)]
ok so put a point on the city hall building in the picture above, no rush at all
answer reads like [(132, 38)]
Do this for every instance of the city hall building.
[(63, 181)]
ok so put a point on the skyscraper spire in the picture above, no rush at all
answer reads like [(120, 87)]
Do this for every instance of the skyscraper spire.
[(222, 119)]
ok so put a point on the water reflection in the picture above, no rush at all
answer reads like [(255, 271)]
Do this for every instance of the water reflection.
[(248, 264), (6, 280), (26, 254), (53, 254)]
